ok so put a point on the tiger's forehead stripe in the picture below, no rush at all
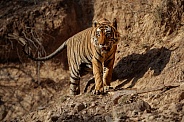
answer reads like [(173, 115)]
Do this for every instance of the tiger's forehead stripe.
[(106, 28)]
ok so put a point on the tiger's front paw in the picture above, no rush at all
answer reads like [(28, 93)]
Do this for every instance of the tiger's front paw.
[(96, 92)]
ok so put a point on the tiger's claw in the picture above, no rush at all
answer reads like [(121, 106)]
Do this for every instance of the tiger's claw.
[(96, 92)]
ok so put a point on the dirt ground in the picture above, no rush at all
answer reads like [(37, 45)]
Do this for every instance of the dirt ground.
[(148, 77)]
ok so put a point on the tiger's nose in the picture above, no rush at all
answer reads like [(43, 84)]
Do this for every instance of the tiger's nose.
[(102, 44)]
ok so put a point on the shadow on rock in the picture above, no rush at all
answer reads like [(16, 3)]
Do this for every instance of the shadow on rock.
[(134, 66)]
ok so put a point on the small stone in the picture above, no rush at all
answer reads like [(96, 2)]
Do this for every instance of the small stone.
[(98, 109), (142, 105), (54, 118), (107, 107), (72, 105), (84, 112), (119, 114), (161, 108), (181, 96), (134, 113), (182, 109), (79, 107), (98, 118), (151, 117), (108, 119), (41, 107), (3, 112), (182, 86), (173, 107), (93, 104), (117, 95), (182, 120)]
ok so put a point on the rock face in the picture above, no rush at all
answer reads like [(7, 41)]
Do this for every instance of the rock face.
[(51, 23), (148, 72)]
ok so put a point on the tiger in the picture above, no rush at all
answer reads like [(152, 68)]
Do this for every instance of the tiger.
[(91, 50)]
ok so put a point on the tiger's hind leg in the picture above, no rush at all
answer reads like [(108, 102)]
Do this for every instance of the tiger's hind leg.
[(74, 82), (74, 86), (89, 82)]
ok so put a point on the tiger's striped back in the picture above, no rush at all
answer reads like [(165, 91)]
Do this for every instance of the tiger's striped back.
[(79, 48), (79, 53)]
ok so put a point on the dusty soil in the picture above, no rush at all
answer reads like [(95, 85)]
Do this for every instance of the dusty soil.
[(148, 77)]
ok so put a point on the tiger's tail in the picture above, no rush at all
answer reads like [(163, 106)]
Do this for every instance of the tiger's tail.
[(56, 52)]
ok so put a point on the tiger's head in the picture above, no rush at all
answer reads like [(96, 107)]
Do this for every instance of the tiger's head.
[(105, 35)]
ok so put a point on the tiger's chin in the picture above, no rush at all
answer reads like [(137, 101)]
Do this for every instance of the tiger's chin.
[(105, 49)]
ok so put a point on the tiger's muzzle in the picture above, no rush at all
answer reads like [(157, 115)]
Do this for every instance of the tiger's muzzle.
[(105, 48)]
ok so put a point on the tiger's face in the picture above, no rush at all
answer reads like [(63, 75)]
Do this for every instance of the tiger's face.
[(105, 36)]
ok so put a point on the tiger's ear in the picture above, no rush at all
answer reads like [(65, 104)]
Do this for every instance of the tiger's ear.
[(95, 23), (115, 23)]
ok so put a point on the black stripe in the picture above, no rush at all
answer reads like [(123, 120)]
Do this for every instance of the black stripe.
[(75, 61), (80, 52), (74, 74), (74, 71), (89, 44), (89, 56), (88, 51), (73, 54), (75, 78), (109, 56), (89, 61), (98, 60), (106, 63), (75, 84), (98, 53)]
